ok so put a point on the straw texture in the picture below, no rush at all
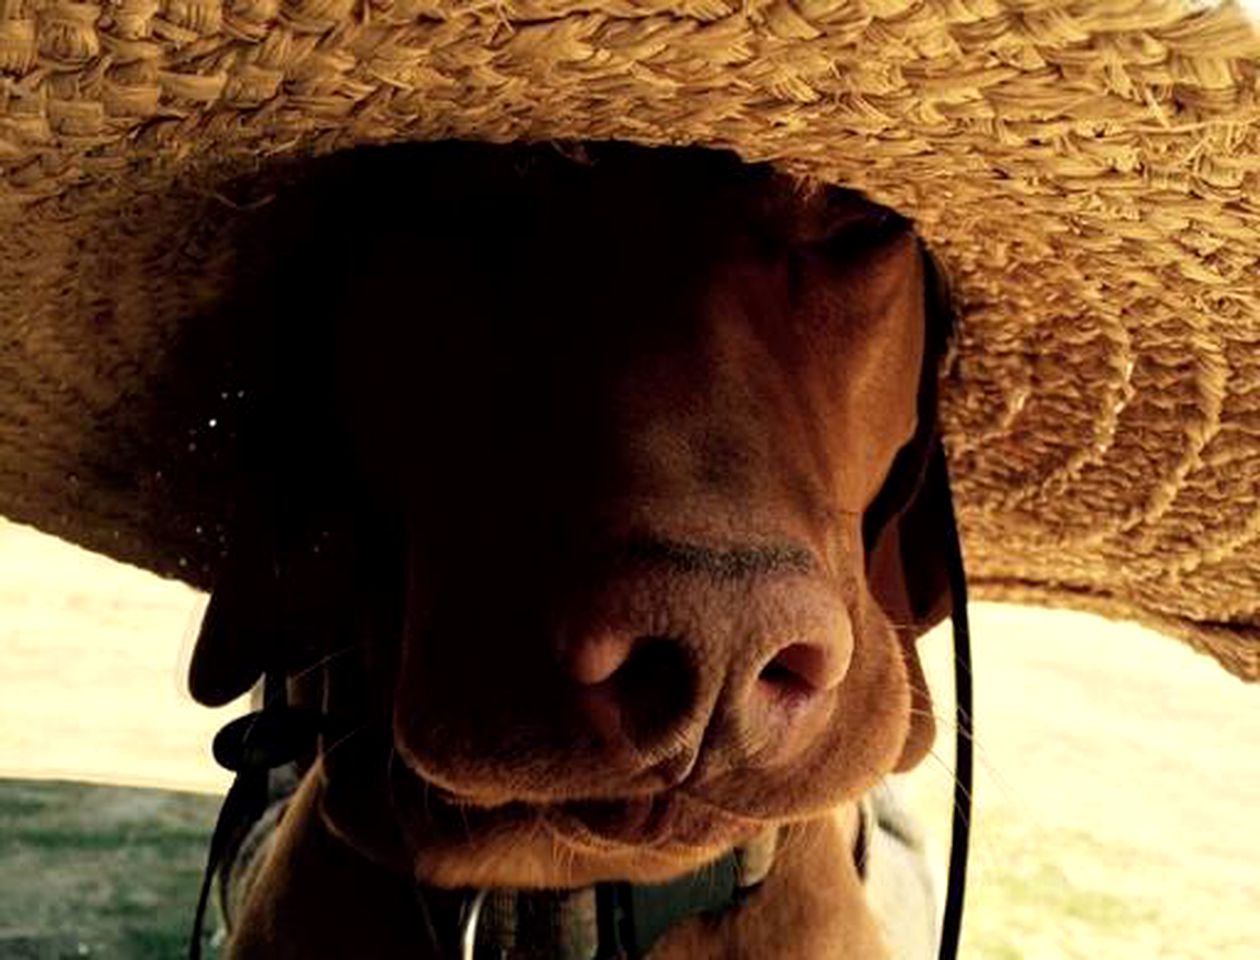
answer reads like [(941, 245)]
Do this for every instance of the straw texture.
[(1088, 172)]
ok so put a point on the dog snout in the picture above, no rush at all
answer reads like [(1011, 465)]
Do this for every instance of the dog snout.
[(663, 665)]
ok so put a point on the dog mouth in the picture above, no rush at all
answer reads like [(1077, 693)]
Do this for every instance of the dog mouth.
[(672, 822), (664, 820), (646, 821)]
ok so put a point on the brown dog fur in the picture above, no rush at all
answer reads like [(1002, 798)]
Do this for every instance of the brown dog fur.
[(601, 591)]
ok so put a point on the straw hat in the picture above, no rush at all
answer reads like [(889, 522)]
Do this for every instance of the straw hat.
[(1089, 173)]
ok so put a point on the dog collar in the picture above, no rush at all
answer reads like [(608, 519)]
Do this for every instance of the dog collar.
[(608, 921)]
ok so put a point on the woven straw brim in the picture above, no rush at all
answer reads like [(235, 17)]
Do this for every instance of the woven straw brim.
[(1088, 173)]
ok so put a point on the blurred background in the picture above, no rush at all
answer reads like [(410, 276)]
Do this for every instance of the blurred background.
[(1117, 776)]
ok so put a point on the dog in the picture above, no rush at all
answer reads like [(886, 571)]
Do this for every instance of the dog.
[(591, 504)]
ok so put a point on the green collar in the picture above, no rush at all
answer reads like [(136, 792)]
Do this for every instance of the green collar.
[(609, 921)]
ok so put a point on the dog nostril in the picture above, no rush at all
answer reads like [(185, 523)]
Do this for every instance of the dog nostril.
[(656, 687), (649, 681), (799, 669)]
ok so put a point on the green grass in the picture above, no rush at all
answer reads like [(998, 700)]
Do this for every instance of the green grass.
[(91, 871)]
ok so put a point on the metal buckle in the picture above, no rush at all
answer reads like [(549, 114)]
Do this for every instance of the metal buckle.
[(468, 925)]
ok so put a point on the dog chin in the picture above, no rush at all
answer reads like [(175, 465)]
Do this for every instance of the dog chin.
[(547, 853), (412, 827)]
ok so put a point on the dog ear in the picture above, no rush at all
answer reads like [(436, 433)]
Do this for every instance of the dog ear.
[(905, 528), (235, 643), (274, 602), (293, 596)]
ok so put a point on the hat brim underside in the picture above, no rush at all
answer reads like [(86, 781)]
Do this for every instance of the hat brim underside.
[(1089, 180)]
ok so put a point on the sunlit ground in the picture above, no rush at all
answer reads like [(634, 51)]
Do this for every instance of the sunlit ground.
[(1117, 798)]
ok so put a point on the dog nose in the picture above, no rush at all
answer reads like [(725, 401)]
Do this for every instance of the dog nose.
[(748, 658)]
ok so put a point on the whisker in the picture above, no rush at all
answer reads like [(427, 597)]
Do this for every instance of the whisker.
[(391, 779), (949, 770), (323, 661), (277, 698), (948, 724), (944, 721), (742, 817), (340, 741), (463, 816), (791, 835), (983, 848), (571, 855)]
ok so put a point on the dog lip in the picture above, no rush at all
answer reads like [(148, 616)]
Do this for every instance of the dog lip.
[(470, 801), (443, 795), (666, 820), (455, 799), (673, 771), (644, 818), (663, 820)]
